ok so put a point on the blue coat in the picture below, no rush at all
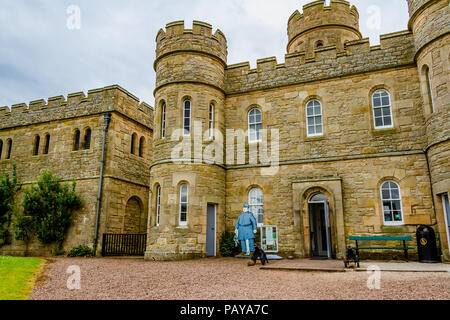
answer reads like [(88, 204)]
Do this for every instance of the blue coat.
[(246, 224)]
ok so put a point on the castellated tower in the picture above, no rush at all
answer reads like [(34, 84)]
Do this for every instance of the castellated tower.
[(431, 27), (323, 26), (188, 158)]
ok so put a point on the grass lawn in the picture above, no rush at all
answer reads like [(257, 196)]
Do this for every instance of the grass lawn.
[(17, 276)]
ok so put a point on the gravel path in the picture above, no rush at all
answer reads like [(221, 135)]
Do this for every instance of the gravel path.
[(224, 278)]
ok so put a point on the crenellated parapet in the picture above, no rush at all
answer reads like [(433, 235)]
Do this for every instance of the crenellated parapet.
[(321, 25), (190, 55), (109, 99), (395, 50)]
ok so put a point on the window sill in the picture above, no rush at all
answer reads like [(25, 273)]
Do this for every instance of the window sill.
[(380, 131), (394, 224), (182, 227), (314, 138)]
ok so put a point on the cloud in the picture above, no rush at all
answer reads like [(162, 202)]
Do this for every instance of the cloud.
[(40, 57)]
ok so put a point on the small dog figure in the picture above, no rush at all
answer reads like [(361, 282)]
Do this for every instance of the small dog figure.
[(350, 257), (258, 254)]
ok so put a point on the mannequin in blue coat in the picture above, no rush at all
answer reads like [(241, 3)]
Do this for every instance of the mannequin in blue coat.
[(246, 229)]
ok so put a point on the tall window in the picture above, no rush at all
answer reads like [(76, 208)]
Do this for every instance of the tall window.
[(1, 149), (382, 110), (133, 143), (183, 204), (255, 200), (163, 121), (187, 118), (254, 125), (158, 205), (76, 140), (87, 139), (392, 203), (141, 146), (9, 146), (37, 140), (211, 121), (314, 118), (429, 89), (47, 144)]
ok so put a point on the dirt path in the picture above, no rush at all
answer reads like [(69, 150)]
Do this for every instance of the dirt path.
[(225, 279)]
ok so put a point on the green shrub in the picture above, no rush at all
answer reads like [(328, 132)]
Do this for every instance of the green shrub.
[(80, 251), (227, 245), (8, 191), (47, 210)]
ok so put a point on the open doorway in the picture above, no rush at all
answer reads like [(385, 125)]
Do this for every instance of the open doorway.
[(320, 226)]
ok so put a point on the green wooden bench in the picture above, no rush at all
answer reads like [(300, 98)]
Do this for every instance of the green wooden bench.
[(381, 238)]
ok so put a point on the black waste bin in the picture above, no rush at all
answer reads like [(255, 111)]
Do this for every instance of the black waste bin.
[(426, 245)]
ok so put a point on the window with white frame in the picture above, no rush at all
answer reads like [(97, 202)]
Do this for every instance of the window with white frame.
[(211, 121), (254, 125), (183, 205), (382, 110), (255, 201), (392, 203), (314, 118), (187, 118), (163, 121), (158, 205)]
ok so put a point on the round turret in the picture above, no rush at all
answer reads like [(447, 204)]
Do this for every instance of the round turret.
[(187, 176), (322, 26), (429, 22)]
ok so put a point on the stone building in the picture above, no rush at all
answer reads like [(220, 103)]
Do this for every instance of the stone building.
[(66, 137), (362, 134), (341, 139)]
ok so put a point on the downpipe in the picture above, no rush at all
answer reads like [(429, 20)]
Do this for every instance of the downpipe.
[(107, 118)]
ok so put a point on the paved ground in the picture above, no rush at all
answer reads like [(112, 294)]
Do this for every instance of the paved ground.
[(226, 279)]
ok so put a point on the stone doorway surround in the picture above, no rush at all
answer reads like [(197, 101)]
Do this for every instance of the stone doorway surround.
[(303, 189)]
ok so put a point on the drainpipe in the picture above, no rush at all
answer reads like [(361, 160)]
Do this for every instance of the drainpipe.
[(107, 118)]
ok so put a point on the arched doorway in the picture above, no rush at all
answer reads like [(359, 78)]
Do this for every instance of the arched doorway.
[(132, 219), (320, 226)]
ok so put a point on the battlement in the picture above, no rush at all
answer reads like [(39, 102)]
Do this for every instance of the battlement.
[(111, 98), (395, 49), (176, 38), (316, 15)]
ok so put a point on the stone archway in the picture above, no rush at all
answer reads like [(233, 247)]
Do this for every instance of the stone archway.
[(303, 190), (132, 216)]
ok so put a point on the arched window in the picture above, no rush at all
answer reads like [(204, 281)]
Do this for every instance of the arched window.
[(211, 121), (187, 118), (133, 143), (184, 201), (158, 205), (87, 139), (163, 120), (9, 146), (47, 144), (141, 146), (429, 89), (314, 118), (76, 140), (133, 216), (1, 149), (254, 125), (255, 201), (37, 140), (392, 203), (319, 44), (382, 110)]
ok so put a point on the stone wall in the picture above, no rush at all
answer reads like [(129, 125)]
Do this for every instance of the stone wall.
[(362, 209)]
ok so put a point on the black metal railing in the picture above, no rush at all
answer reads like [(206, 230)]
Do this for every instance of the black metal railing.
[(124, 244)]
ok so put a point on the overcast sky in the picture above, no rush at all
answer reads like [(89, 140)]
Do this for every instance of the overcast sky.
[(41, 57)]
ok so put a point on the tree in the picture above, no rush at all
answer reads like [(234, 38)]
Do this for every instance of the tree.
[(47, 210), (8, 190)]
